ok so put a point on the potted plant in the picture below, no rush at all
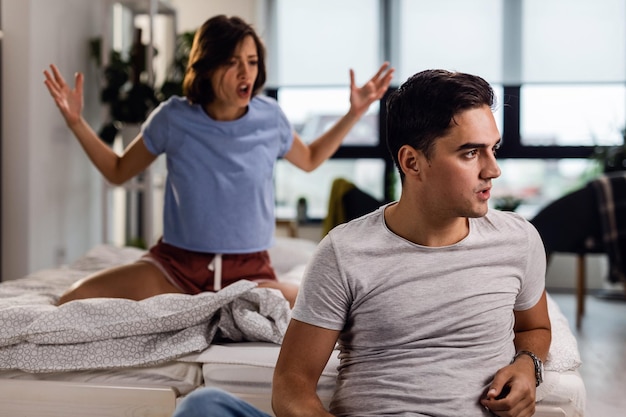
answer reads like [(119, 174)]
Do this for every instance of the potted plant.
[(129, 98)]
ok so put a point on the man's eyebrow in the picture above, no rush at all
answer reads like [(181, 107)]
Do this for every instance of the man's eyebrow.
[(471, 145)]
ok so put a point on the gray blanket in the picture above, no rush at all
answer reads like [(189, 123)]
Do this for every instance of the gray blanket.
[(106, 333)]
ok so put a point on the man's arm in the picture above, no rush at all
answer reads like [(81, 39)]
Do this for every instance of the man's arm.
[(303, 355), (533, 331), (533, 334)]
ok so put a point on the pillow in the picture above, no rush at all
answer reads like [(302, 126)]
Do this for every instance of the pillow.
[(563, 354), (289, 253), (106, 256)]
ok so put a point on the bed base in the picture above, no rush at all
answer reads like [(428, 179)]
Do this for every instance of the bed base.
[(549, 411), (30, 398)]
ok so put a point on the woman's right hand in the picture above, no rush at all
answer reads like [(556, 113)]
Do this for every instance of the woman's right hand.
[(69, 101)]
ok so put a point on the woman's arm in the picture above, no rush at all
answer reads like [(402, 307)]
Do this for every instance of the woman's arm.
[(116, 169), (309, 157)]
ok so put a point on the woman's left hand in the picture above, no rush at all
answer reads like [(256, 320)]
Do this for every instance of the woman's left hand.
[(374, 89)]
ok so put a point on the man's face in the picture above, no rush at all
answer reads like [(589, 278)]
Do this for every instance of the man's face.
[(462, 165)]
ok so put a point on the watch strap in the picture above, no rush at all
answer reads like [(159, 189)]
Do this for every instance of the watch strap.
[(537, 363)]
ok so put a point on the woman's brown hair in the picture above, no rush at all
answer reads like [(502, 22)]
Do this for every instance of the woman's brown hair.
[(213, 45)]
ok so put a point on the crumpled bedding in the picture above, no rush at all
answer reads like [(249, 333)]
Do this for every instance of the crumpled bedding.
[(108, 333)]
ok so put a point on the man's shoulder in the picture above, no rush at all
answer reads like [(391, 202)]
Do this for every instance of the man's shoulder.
[(505, 217), (504, 222), (365, 225)]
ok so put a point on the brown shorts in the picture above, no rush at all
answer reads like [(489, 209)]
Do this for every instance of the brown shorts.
[(195, 272)]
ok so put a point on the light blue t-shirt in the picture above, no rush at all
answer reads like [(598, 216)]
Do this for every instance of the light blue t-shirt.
[(219, 193)]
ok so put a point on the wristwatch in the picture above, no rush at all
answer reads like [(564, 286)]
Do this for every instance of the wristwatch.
[(538, 364)]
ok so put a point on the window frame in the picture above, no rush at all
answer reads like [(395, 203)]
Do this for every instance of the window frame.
[(512, 146)]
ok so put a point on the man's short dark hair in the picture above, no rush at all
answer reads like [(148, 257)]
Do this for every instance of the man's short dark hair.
[(423, 108)]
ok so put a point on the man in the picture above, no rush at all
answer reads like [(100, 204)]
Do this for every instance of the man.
[(437, 302)]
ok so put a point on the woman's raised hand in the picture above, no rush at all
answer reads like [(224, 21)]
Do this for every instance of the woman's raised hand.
[(68, 100), (374, 89)]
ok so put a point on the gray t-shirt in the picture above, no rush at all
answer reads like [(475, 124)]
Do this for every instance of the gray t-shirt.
[(423, 329)]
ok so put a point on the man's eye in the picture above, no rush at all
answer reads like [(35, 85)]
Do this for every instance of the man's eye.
[(472, 153)]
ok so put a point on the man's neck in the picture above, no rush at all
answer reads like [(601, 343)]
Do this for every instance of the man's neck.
[(422, 229)]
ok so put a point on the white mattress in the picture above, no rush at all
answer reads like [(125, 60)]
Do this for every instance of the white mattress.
[(183, 377), (567, 393), (246, 370)]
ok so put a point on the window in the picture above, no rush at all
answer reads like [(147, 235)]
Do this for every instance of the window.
[(572, 115), (573, 41), (312, 111), (536, 182), (292, 184), (317, 42), (558, 69), (452, 34)]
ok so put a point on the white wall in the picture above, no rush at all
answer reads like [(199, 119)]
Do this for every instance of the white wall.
[(50, 193), (192, 13)]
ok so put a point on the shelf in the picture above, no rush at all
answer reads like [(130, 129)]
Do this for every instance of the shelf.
[(144, 6)]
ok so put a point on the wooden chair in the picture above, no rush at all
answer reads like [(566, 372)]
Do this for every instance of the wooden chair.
[(574, 224)]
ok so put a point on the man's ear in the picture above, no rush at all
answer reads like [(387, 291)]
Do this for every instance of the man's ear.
[(409, 160)]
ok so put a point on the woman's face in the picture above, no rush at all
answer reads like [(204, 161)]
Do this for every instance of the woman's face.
[(233, 82)]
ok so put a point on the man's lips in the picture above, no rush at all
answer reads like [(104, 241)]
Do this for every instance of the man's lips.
[(485, 193)]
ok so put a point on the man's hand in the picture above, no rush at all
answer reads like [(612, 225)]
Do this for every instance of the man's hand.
[(512, 391)]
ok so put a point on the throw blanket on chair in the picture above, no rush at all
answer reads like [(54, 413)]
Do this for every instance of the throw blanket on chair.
[(611, 196)]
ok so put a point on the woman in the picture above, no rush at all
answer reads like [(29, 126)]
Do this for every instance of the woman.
[(221, 142)]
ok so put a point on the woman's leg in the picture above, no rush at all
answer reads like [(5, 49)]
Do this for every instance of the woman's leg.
[(290, 291), (133, 281), (207, 402)]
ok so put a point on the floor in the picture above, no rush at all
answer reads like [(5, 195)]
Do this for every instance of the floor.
[(602, 345)]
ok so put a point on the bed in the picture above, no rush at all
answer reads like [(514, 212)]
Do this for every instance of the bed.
[(113, 358)]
